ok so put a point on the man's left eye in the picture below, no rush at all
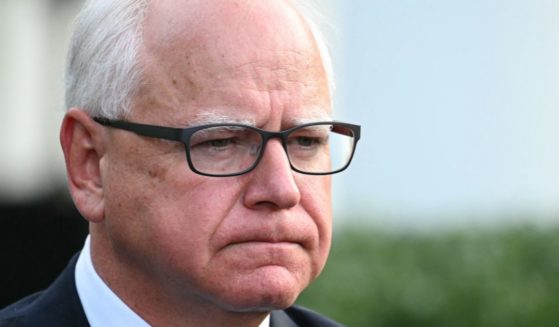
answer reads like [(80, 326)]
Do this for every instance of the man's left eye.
[(306, 141)]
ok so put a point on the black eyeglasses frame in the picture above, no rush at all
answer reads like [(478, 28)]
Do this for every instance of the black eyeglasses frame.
[(183, 135)]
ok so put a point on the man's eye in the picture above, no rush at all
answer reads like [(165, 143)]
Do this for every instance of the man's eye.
[(216, 145), (219, 143), (307, 141)]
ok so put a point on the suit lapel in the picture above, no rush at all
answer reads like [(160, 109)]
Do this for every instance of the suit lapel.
[(59, 305), (281, 319)]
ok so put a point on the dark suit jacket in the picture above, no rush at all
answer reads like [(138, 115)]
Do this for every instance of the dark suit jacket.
[(60, 306)]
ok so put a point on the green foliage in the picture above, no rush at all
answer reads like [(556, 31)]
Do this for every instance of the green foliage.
[(493, 278)]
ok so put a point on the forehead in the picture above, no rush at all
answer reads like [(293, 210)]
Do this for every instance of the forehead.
[(226, 29), (196, 49)]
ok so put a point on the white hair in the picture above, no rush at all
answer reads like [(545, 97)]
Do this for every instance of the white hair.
[(103, 71)]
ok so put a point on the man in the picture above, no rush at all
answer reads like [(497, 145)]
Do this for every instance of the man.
[(201, 212)]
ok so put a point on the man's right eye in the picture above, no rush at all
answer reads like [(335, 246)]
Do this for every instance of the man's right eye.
[(218, 143)]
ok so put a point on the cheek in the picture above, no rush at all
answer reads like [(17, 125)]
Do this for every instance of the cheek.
[(184, 215), (317, 202), (316, 198), (159, 214)]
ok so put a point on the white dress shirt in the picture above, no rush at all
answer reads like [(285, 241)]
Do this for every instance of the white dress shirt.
[(102, 307)]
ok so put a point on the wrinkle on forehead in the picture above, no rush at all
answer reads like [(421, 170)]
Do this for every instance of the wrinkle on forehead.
[(276, 70)]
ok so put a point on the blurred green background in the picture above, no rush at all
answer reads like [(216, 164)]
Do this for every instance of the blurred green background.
[(490, 277)]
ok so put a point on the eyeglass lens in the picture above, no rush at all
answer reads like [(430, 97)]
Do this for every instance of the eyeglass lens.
[(320, 148)]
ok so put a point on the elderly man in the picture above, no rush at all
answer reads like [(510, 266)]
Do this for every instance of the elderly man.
[(198, 145)]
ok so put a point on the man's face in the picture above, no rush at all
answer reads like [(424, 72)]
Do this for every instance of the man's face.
[(246, 242)]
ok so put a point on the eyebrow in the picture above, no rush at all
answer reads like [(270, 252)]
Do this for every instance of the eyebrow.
[(212, 117), (315, 116), (206, 118), (307, 120)]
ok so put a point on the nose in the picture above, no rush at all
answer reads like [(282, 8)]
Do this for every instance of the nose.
[(272, 183)]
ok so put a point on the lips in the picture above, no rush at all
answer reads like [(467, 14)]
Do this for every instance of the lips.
[(267, 233), (259, 240), (271, 240)]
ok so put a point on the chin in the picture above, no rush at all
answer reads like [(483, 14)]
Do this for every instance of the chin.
[(261, 302), (274, 288)]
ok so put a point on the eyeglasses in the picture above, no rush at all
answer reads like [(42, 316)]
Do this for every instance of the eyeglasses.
[(220, 150)]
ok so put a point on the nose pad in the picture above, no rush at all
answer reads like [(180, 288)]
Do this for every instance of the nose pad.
[(254, 149)]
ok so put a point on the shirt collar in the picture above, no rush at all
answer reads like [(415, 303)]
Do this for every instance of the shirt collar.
[(101, 305)]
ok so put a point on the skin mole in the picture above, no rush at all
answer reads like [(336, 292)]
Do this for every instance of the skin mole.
[(157, 171)]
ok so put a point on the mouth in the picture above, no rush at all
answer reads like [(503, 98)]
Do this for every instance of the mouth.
[(264, 253), (278, 236), (267, 243), (251, 250), (265, 246)]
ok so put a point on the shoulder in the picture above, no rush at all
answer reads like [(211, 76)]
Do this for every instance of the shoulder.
[(13, 314), (58, 305), (299, 316)]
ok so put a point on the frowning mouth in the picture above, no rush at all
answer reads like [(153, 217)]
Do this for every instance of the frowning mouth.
[(260, 246), (252, 253), (265, 243), (266, 238)]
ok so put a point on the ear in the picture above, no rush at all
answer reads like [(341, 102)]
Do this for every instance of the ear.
[(83, 141)]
